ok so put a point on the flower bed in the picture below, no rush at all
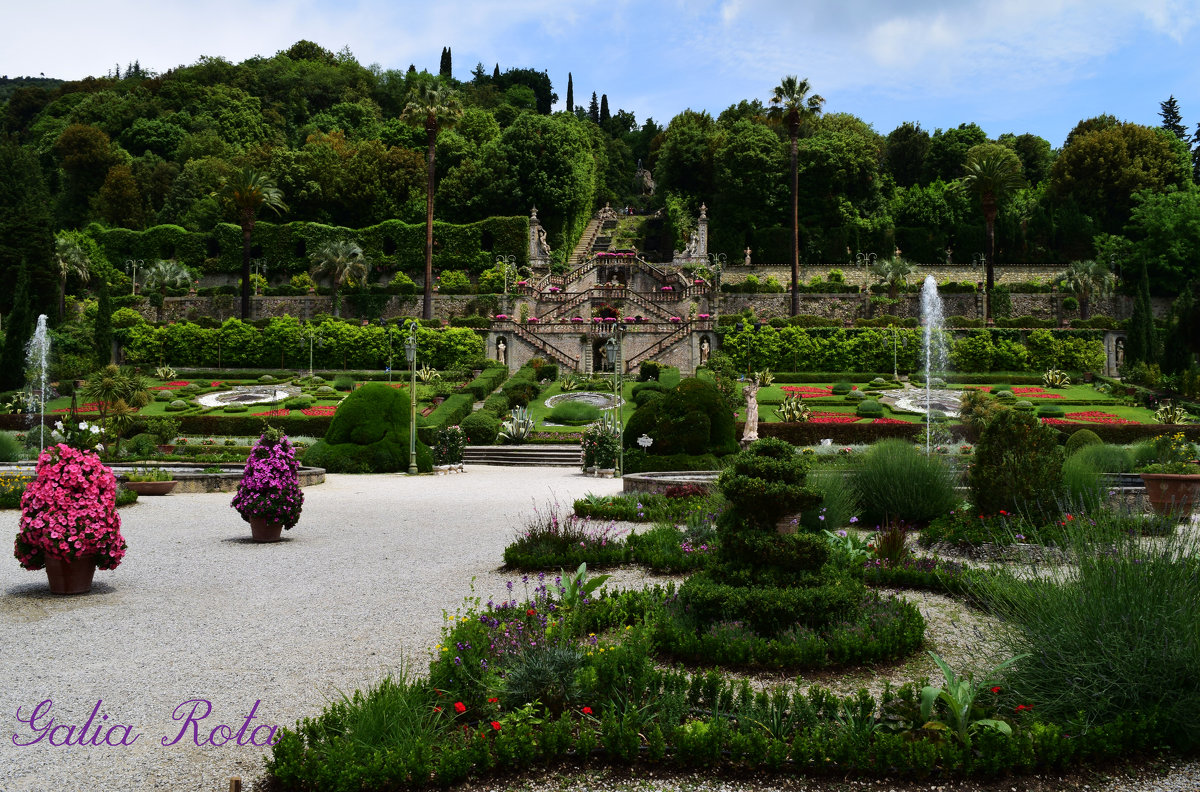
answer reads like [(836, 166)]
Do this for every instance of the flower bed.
[(888, 421), (282, 411), (1095, 416), (807, 391), (328, 409), (832, 418)]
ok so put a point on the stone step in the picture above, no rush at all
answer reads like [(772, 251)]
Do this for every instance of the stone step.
[(524, 455)]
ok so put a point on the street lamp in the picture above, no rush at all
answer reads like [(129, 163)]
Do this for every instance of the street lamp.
[(507, 263), (866, 260), (980, 260), (612, 353), (718, 262), (131, 265), (410, 353), (312, 335)]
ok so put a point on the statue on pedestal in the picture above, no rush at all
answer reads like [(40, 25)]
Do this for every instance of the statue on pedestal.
[(750, 434)]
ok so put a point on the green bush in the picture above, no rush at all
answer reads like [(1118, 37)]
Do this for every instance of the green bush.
[(325, 392), (1017, 467), (1079, 439), (894, 480), (481, 427), (1051, 411), (869, 409), (235, 408), (497, 404), (343, 383), (299, 403), (369, 434), (10, 449), (177, 405), (1021, 405), (839, 500), (842, 388), (691, 419), (573, 413), (648, 371)]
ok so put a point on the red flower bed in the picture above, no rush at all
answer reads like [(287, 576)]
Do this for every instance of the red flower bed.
[(1095, 416), (831, 418), (326, 410), (281, 412), (888, 421), (170, 385), (806, 391), (1058, 422), (90, 407)]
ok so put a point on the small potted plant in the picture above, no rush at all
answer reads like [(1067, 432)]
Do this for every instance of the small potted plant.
[(269, 496), (1173, 479), (150, 481), (69, 521)]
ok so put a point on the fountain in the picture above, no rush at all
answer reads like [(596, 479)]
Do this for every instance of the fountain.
[(936, 358), (37, 359)]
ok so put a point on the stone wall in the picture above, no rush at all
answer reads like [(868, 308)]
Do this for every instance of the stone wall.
[(853, 273)]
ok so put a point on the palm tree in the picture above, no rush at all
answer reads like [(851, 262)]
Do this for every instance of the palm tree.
[(893, 273), (994, 172), (249, 191), (118, 393), (434, 107), (1085, 278), (792, 106), (166, 274), (71, 260), (341, 260)]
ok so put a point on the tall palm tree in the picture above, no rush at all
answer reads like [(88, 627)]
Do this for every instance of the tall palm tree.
[(341, 260), (71, 260), (893, 273), (994, 173), (793, 107), (249, 190), (1085, 278), (434, 107), (166, 274)]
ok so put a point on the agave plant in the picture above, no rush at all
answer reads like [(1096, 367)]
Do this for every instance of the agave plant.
[(793, 410), (517, 428), (1170, 413), (764, 377), (164, 373), (1053, 378), (427, 374), (569, 382)]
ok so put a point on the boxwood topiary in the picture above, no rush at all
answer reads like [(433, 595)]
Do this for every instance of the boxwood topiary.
[(1023, 406), (1051, 411), (869, 409), (855, 396), (235, 408), (690, 419), (842, 388), (369, 433), (325, 392), (481, 428), (1079, 439), (299, 403), (177, 405), (497, 404)]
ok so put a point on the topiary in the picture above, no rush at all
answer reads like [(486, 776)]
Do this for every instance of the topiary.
[(235, 408), (854, 397), (266, 379), (481, 428), (1079, 439), (325, 392), (369, 433), (1024, 406), (842, 388), (691, 419), (1051, 411), (1017, 467), (343, 382), (299, 403), (869, 409), (176, 406), (648, 371), (497, 404)]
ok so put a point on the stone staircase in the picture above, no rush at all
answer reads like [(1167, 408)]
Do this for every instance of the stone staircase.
[(523, 455), (583, 249)]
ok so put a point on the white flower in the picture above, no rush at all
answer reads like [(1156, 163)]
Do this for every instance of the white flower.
[(83, 425), (95, 429), (58, 425)]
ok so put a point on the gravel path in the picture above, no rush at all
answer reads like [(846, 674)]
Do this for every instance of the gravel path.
[(358, 589)]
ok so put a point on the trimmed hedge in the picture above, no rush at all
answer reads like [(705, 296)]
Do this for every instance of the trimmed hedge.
[(250, 426), (488, 380)]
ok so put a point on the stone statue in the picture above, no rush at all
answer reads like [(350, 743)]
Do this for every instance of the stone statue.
[(750, 434), (500, 347), (608, 213), (748, 252), (643, 181), (542, 246), (693, 245), (704, 350)]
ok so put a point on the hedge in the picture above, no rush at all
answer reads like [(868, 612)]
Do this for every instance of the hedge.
[(488, 380), (807, 434), (390, 245), (251, 426)]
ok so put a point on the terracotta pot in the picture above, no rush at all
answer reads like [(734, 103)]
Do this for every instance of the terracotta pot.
[(150, 487), (1172, 493), (263, 531), (70, 576)]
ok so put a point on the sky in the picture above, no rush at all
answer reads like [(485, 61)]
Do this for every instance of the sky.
[(1017, 66)]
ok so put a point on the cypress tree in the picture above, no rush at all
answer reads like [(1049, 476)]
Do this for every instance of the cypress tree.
[(496, 72), (1141, 339), (570, 94), (445, 68), (604, 115), (103, 329), (17, 330), (594, 109)]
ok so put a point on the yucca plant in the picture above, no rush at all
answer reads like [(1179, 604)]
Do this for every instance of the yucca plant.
[(1170, 413), (793, 410), (427, 374), (1054, 378), (517, 428)]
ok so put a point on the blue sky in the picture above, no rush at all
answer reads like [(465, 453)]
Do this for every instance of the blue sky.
[(1009, 65)]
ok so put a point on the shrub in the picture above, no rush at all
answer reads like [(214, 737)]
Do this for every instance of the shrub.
[(839, 499), (454, 282), (1051, 411), (369, 434), (497, 404), (481, 427), (896, 481), (521, 392), (325, 392), (10, 449), (869, 409), (1080, 438), (554, 541), (1024, 406), (299, 403), (1017, 467), (402, 284), (177, 405), (691, 419), (573, 413), (235, 408), (648, 371), (343, 382), (842, 388)]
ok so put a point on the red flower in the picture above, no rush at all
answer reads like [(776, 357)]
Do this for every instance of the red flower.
[(437, 709), (996, 689), (493, 700), (586, 710), (459, 707), (531, 612), (496, 725), (1023, 707)]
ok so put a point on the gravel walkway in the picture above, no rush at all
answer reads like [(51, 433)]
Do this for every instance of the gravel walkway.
[(358, 589)]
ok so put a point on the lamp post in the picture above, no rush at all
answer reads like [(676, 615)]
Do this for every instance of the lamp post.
[(507, 263), (313, 336), (980, 260), (612, 351), (866, 260), (718, 262), (258, 266), (410, 353), (131, 265)]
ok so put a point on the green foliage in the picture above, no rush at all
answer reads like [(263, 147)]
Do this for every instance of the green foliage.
[(690, 419), (481, 427), (369, 434), (869, 408), (1017, 467), (1080, 439), (573, 413), (895, 481)]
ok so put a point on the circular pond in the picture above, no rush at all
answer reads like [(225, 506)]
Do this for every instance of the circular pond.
[(602, 401), (915, 400), (247, 394)]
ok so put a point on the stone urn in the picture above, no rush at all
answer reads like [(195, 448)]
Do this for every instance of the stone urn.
[(1172, 493)]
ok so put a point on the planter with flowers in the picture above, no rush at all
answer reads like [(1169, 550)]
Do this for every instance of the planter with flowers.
[(676, 319), (1173, 481), (69, 521), (532, 320), (668, 288), (501, 317), (268, 496)]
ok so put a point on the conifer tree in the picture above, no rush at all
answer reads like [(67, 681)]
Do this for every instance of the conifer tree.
[(604, 114), (594, 109), (1171, 120), (103, 330), (570, 94), (1141, 338), (18, 327), (445, 68), (496, 72)]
